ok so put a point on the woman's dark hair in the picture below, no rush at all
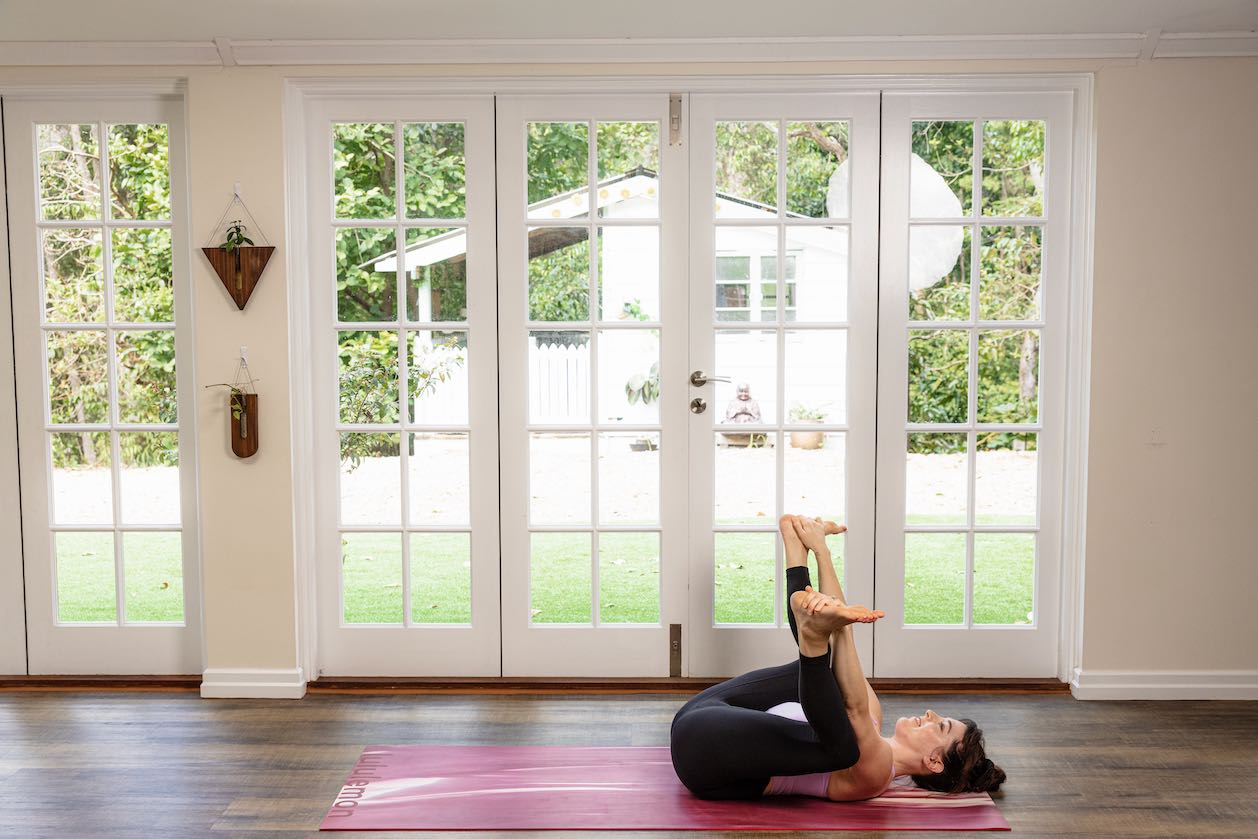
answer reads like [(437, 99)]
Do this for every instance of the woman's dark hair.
[(966, 767)]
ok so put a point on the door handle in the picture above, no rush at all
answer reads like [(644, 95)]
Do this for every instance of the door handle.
[(698, 378)]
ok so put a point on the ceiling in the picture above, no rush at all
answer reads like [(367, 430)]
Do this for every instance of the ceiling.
[(182, 20)]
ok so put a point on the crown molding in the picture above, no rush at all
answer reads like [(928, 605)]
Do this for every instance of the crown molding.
[(96, 90), (225, 52)]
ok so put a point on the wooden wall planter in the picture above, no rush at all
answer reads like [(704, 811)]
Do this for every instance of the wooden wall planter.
[(240, 269), (244, 428)]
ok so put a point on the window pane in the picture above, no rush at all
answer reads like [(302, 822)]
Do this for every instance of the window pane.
[(1004, 578), (938, 375), (1009, 273), (364, 170), (815, 474), (153, 569), (82, 484), (371, 479), (816, 264), (749, 359), (1013, 167), (435, 173), (734, 251), (366, 274), (149, 477), (439, 484), (629, 577), (139, 171), (441, 578), (559, 478), (934, 578), (1008, 375), (1006, 479), (371, 577), (146, 376), (86, 582), (629, 376), (746, 169), (558, 169), (559, 377), (936, 479), (69, 171), (629, 273), (746, 471), (369, 377), (941, 173), (436, 273), (744, 577), (818, 183), (78, 377), (629, 478), (560, 578), (939, 272), (74, 276), (559, 273), (628, 169), (437, 377), (143, 284), (816, 375)]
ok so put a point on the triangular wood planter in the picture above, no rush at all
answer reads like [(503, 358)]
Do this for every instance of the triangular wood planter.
[(253, 262)]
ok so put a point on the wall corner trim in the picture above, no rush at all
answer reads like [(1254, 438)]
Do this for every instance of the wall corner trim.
[(253, 683), (1164, 684)]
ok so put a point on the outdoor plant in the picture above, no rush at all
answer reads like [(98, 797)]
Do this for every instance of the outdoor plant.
[(644, 387), (806, 413)]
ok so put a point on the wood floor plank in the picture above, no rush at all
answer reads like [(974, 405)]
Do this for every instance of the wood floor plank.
[(116, 764)]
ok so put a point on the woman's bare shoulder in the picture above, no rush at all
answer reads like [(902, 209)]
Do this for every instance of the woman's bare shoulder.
[(868, 778)]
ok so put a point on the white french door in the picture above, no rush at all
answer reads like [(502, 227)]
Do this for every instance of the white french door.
[(975, 260), (783, 321), (97, 215)]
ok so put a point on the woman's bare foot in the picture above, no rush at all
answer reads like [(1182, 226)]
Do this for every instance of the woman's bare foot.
[(819, 614), (796, 553)]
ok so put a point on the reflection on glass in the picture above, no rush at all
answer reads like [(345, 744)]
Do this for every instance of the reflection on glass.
[(559, 376), (558, 169), (371, 577), (78, 376), (142, 279), (749, 358), (86, 579), (629, 376), (368, 376), (139, 171), (628, 169), (746, 478), (441, 578), (559, 273), (149, 477), (816, 375), (939, 272), (371, 479), (629, 577), (439, 483), (560, 578), (436, 273), (363, 161), (82, 488), (1004, 578), (629, 273), (559, 478), (746, 169), (934, 578), (818, 179), (1006, 478), (936, 479), (941, 172), (815, 474), (938, 375), (746, 264), (69, 171), (1009, 273), (1008, 375), (1013, 167), (146, 376), (434, 169), (816, 274), (74, 276), (437, 369), (153, 569), (744, 582), (366, 274), (629, 478)]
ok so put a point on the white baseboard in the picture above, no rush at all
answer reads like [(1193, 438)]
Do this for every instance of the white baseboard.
[(253, 684), (1164, 684)]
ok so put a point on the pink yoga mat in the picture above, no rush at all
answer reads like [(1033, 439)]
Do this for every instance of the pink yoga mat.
[(602, 788)]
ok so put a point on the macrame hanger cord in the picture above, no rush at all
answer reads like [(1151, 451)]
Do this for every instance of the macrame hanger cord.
[(236, 199)]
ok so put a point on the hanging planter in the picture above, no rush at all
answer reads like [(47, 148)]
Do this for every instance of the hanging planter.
[(242, 407), (238, 262)]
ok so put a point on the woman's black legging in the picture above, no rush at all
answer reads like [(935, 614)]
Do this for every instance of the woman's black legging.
[(724, 745)]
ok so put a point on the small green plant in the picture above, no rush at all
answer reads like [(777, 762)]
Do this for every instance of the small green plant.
[(236, 239), (644, 387), (804, 413), (237, 406)]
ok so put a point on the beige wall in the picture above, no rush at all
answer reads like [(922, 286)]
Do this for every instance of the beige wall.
[(1170, 561)]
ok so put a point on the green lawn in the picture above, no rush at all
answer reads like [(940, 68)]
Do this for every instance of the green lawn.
[(153, 570)]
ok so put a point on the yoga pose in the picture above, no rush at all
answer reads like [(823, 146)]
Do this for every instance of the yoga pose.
[(811, 726)]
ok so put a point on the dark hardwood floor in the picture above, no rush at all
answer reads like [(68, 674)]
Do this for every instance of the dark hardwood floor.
[(121, 764)]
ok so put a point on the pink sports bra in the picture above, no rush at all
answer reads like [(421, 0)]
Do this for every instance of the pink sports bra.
[(816, 783)]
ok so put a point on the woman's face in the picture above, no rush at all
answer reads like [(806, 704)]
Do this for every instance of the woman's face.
[(930, 735)]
